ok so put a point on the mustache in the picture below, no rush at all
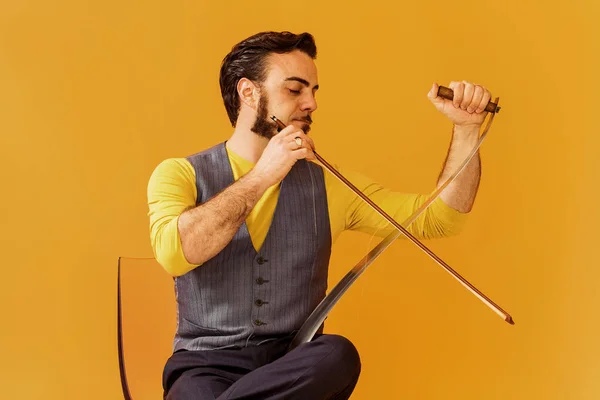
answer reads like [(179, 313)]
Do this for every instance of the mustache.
[(306, 119)]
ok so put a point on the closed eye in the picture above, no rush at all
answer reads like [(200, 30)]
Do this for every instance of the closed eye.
[(294, 91)]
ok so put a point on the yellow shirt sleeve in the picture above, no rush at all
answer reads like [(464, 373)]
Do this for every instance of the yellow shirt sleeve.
[(171, 191), (348, 211)]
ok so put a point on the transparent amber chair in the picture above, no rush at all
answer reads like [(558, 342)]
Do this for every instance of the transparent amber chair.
[(146, 324)]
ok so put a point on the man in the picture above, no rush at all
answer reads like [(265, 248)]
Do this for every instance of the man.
[(246, 229)]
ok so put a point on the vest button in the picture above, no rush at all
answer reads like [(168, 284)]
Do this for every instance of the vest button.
[(258, 322), (261, 260), (259, 302), (260, 281)]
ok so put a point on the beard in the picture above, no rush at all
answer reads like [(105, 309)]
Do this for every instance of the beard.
[(265, 127)]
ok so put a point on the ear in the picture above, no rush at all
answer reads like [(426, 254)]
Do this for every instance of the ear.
[(249, 93)]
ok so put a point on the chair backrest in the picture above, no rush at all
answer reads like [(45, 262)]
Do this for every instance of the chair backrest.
[(146, 320)]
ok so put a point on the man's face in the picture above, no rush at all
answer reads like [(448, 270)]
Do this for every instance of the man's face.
[(288, 93)]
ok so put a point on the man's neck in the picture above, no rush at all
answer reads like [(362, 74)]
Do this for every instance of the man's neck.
[(247, 144)]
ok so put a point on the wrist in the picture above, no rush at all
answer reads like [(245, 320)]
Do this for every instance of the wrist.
[(257, 180), (467, 131)]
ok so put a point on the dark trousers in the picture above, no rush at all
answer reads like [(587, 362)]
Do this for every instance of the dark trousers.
[(328, 367)]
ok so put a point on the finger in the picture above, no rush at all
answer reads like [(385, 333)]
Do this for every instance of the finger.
[(286, 136), (292, 143), (280, 133), (477, 96), (433, 93), (298, 140), (288, 131), (310, 142), (458, 88), (485, 99), (303, 136), (468, 95), (303, 152)]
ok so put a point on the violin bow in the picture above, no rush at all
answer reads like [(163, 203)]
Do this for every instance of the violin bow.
[(319, 314)]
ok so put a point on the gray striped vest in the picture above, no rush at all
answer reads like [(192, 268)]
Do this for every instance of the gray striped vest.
[(242, 297)]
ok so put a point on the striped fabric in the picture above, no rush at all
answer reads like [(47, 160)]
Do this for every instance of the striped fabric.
[(242, 297)]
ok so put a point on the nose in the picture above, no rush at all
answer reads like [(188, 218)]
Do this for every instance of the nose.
[(310, 103)]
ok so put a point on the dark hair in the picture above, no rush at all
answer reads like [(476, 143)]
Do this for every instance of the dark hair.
[(247, 60)]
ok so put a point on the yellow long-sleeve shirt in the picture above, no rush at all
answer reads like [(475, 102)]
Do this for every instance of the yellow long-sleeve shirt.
[(172, 190)]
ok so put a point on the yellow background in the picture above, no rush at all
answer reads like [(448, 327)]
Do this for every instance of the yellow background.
[(93, 95)]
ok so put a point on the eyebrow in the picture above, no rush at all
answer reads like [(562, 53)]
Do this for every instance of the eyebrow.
[(302, 81)]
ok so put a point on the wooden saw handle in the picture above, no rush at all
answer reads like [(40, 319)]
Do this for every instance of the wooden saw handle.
[(448, 93)]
